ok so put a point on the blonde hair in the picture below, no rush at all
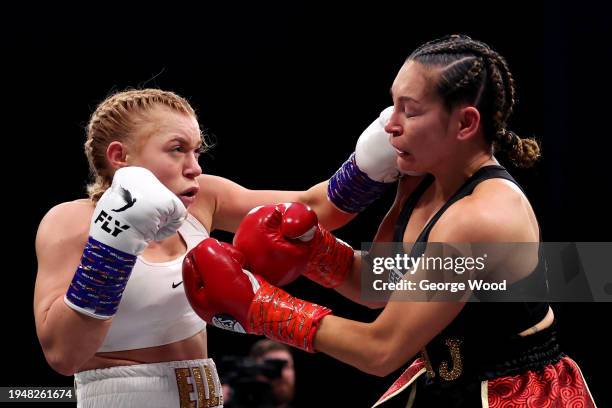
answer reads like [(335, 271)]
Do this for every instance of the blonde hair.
[(117, 119)]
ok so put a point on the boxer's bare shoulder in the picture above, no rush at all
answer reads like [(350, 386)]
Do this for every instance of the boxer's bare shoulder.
[(497, 211), (71, 218)]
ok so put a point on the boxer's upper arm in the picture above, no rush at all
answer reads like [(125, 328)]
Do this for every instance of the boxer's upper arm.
[(60, 241), (231, 202), (68, 338)]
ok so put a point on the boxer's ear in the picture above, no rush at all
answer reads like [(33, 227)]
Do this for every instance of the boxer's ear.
[(117, 154), (468, 122)]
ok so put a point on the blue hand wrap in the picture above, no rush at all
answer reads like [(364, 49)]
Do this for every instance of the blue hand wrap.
[(100, 280), (351, 190)]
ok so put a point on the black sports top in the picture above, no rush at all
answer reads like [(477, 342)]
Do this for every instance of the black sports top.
[(487, 331), (513, 317)]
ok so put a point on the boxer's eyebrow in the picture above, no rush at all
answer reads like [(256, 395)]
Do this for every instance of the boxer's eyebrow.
[(185, 141), (408, 99), (404, 98)]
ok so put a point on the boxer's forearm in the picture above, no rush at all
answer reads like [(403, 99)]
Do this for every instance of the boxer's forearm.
[(329, 215), (351, 287), (68, 338), (355, 343), (398, 334)]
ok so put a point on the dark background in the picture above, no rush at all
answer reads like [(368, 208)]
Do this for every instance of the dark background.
[(286, 89)]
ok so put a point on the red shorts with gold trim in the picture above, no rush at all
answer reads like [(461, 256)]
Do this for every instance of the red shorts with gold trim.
[(555, 385)]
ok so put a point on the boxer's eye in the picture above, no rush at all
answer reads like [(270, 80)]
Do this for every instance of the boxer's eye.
[(411, 112)]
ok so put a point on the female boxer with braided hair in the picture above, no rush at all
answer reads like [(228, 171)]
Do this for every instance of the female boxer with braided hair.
[(109, 302), (452, 100)]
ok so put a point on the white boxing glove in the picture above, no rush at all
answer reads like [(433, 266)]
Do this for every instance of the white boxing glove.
[(368, 172), (136, 209), (374, 154)]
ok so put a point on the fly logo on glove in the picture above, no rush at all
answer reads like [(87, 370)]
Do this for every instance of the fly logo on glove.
[(106, 220)]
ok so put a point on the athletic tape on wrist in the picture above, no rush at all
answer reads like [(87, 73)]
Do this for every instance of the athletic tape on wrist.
[(99, 280), (331, 264), (351, 190), (282, 317)]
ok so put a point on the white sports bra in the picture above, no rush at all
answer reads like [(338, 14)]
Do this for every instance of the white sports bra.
[(154, 309)]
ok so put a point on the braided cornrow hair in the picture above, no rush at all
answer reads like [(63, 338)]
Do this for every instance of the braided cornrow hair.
[(471, 72), (116, 119)]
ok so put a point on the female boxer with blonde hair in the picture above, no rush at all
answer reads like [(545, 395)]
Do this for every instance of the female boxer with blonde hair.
[(109, 302)]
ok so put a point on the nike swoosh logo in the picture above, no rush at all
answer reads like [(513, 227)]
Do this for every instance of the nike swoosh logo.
[(176, 285)]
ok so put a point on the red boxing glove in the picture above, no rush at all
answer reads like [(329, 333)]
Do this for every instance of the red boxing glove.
[(283, 241), (229, 297), (216, 286)]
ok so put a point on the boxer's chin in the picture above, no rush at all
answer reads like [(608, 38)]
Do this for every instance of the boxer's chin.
[(187, 201), (405, 163)]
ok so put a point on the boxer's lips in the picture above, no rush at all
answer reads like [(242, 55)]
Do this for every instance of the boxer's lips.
[(190, 192), (398, 151), (188, 196)]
